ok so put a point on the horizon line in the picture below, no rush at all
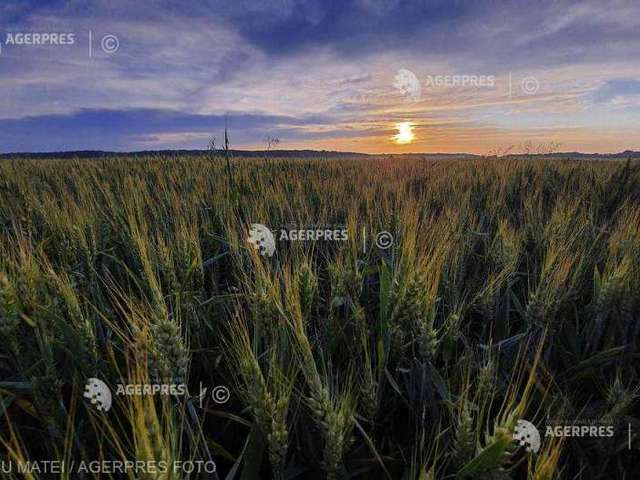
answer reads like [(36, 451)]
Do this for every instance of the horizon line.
[(629, 152)]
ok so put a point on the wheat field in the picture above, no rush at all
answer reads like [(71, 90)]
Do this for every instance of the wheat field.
[(511, 291)]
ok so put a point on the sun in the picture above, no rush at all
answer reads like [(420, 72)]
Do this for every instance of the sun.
[(405, 133)]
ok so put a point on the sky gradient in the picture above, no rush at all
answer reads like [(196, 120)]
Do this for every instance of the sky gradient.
[(321, 75)]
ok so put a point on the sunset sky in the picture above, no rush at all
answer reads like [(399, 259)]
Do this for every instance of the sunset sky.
[(322, 75)]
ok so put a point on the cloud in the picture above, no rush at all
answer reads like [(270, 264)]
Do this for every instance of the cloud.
[(145, 128), (314, 71), (615, 90)]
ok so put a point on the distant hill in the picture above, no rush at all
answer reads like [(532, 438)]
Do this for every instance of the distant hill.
[(97, 154), (577, 155), (181, 153)]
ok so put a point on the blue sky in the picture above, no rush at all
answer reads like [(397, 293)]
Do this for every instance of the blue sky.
[(321, 74)]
